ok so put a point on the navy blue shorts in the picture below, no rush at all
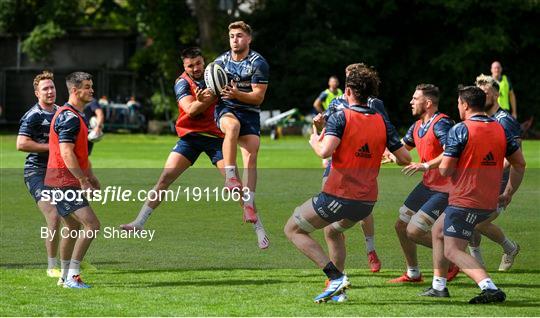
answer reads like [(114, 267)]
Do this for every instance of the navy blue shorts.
[(250, 122), (460, 222), (332, 209), (69, 201), (34, 180), (430, 202), (191, 146)]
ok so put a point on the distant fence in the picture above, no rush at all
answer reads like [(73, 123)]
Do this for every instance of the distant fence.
[(17, 92)]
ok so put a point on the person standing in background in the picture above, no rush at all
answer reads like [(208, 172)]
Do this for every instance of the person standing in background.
[(507, 97)]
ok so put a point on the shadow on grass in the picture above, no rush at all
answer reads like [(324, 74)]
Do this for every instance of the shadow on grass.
[(231, 282), (522, 303), (43, 265), (503, 285)]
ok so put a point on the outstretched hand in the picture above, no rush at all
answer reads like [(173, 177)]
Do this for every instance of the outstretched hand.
[(204, 95), (319, 121), (230, 91), (413, 168), (315, 136)]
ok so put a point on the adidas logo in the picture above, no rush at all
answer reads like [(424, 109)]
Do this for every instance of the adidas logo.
[(45, 122), (363, 151), (451, 229), (489, 160)]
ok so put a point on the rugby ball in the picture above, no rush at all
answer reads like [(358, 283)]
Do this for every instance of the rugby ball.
[(215, 78), (93, 122), (95, 137)]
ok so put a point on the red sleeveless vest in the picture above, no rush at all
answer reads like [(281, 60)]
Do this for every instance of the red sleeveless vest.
[(58, 175), (479, 170), (203, 123), (429, 148), (357, 159)]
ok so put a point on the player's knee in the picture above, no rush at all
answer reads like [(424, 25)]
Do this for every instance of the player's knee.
[(437, 233), (92, 224), (332, 231), (231, 127), (54, 220), (290, 228), (251, 158), (400, 226), (413, 233), (450, 253)]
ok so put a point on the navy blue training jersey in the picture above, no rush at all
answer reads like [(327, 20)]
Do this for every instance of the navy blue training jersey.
[(67, 127), (35, 123), (335, 126), (252, 70), (440, 130), (458, 137), (90, 109), (510, 124), (182, 88), (339, 103)]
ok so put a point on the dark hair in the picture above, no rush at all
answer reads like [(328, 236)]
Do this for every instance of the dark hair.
[(364, 82), (75, 79), (473, 96), (45, 75), (430, 91), (190, 52)]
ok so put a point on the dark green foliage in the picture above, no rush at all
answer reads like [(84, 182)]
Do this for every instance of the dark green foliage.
[(409, 42)]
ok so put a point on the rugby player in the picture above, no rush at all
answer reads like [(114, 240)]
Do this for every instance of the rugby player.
[(198, 133), (69, 170), (351, 190), (430, 197), (512, 128), (33, 137), (238, 112), (338, 104), (473, 158)]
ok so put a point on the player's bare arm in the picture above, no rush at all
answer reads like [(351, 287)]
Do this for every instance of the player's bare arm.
[(513, 103), (317, 104), (414, 167), (255, 97), (194, 106), (100, 116), (324, 146), (92, 177), (517, 170), (26, 144), (403, 157), (448, 166), (68, 155), (409, 148)]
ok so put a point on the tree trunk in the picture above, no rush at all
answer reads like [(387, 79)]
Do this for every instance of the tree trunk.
[(205, 11)]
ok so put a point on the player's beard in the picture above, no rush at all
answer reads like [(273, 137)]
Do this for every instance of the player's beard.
[(198, 78), (418, 112)]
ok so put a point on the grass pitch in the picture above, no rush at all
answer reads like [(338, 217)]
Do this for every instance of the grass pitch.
[(203, 261)]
